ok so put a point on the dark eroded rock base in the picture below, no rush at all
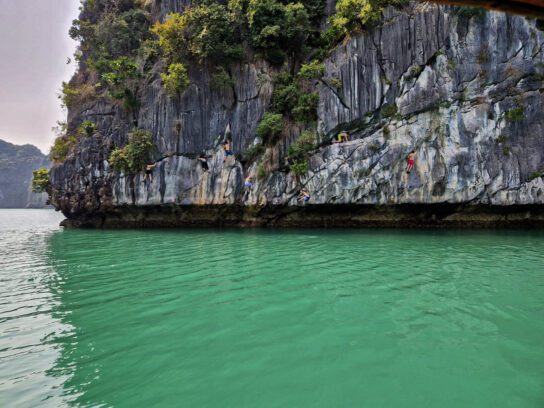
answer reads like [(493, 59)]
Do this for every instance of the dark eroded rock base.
[(312, 216)]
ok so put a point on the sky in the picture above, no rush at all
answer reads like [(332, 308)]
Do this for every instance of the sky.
[(34, 48)]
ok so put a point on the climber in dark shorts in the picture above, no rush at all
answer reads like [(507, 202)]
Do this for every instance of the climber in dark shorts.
[(149, 172), (248, 183), (227, 148), (203, 162)]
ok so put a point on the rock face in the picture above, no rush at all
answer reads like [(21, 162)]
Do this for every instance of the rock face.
[(464, 91), (16, 165)]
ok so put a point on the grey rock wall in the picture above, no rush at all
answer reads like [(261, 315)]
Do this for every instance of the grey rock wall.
[(456, 81)]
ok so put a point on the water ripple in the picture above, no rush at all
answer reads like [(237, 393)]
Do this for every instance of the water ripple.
[(268, 318)]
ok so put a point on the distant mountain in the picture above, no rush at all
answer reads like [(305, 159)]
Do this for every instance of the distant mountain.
[(16, 165)]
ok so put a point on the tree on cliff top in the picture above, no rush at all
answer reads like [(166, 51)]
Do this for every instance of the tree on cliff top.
[(203, 32)]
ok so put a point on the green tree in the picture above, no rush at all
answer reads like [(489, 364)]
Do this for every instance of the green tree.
[(176, 80), (306, 109), (87, 128), (119, 71), (221, 80), (205, 32), (118, 160), (297, 27), (353, 14), (270, 126), (120, 78), (40, 180), (300, 168), (109, 33), (121, 34), (312, 70), (266, 20), (300, 149), (171, 35), (299, 152), (135, 155), (72, 95), (61, 148), (285, 95), (139, 149)]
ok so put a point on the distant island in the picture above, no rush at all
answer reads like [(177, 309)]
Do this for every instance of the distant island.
[(16, 166)]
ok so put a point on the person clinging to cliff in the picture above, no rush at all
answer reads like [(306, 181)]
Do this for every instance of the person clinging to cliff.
[(341, 137), (303, 196), (248, 183), (149, 172), (227, 147), (203, 162), (410, 161)]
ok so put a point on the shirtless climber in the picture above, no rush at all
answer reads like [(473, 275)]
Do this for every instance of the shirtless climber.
[(248, 185), (149, 172), (342, 137), (203, 162), (410, 161), (227, 147), (303, 196)]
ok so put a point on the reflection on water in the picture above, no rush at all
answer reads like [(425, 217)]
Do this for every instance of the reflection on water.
[(272, 318), (28, 324)]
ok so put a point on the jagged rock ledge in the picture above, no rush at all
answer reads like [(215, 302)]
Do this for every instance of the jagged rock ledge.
[(316, 216)]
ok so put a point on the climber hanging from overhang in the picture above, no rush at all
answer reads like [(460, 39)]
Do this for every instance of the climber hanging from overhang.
[(149, 172), (203, 159), (303, 196), (410, 161), (227, 143)]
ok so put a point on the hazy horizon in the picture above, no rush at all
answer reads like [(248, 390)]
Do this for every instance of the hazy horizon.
[(34, 45)]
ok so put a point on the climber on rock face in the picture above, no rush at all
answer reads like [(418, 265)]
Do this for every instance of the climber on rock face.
[(342, 137), (227, 148), (410, 161), (203, 162), (149, 172), (303, 196), (248, 183)]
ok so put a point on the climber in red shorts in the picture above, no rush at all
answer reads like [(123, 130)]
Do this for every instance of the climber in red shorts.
[(410, 161)]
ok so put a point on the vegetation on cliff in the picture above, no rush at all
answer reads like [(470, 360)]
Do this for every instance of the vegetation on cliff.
[(40, 180), (299, 152), (121, 48), (135, 155)]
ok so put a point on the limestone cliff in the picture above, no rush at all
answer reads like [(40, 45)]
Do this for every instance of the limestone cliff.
[(16, 165), (465, 91)]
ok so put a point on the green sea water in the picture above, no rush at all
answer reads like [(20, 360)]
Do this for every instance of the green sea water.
[(261, 318)]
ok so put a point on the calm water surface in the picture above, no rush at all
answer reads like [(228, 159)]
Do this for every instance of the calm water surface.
[(251, 318)]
